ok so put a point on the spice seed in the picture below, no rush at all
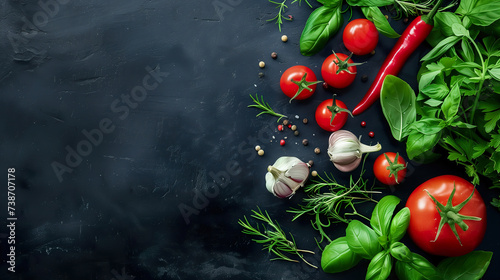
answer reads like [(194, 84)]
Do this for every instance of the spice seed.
[(257, 148), (296, 133), (262, 64), (274, 55), (314, 173), (285, 122), (305, 120), (294, 127), (317, 150), (260, 152), (305, 142), (284, 38)]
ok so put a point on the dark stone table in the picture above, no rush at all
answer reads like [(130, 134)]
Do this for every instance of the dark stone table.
[(127, 125)]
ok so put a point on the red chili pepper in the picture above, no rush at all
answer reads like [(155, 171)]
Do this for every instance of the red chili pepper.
[(416, 32)]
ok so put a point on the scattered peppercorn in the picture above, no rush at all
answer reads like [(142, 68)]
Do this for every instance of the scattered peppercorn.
[(314, 173), (372, 52), (280, 127), (294, 127), (290, 17), (305, 142), (325, 85), (363, 124), (284, 38), (405, 20), (282, 142), (260, 152), (274, 55), (386, 16), (317, 150), (285, 122), (257, 148), (364, 78), (305, 120), (289, 125), (296, 133), (261, 75), (371, 134), (262, 64), (311, 163)]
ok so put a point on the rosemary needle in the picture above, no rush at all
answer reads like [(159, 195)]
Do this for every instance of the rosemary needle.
[(264, 106), (273, 238)]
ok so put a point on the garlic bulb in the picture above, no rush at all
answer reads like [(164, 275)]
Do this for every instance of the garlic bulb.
[(345, 150), (285, 176)]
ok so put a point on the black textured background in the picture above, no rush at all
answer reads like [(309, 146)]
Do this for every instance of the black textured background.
[(67, 67)]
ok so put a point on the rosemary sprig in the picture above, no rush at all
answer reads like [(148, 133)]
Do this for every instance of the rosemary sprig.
[(264, 106), (274, 239), (332, 202), (281, 10), (417, 7)]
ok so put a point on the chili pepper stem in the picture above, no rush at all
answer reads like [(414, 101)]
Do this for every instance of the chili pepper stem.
[(429, 19)]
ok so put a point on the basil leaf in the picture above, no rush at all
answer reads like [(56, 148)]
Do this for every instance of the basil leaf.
[(399, 225), (445, 21), (418, 269), (400, 252), (459, 30), (321, 25), (398, 105), (465, 6), (338, 257), (470, 266), (441, 48), (452, 102), (436, 91), (495, 73), (467, 50), (362, 240), (380, 267), (376, 3), (330, 3), (418, 143), (485, 13), (428, 125), (382, 214), (381, 23)]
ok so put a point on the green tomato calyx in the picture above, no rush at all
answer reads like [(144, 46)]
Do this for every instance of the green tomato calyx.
[(343, 65), (449, 214), (336, 109), (394, 167), (303, 85)]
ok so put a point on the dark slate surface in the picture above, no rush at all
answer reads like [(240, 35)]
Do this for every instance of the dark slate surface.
[(141, 107)]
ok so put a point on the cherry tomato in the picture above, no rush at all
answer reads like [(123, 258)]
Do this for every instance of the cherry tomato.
[(360, 36), (331, 117), (389, 168), (338, 70), (298, 82), (425, 218)]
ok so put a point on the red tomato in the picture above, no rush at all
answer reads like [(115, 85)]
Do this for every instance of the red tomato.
[(388, 170), (360, 36), (325, 112), (298, 82), (338, 70), (425, 218)]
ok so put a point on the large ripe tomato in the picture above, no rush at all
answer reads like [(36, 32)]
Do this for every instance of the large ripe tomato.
[(425, 218), (338, 70), (360, 36), (331, 117), (298, 82), (389, 170)]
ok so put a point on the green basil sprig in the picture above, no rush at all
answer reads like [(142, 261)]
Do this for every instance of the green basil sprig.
[(338, 257), (321, 25), (362, 240)]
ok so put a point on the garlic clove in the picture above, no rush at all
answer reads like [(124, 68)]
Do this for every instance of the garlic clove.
[(348, 167), (270, 181), (282, 190), (299, 172)]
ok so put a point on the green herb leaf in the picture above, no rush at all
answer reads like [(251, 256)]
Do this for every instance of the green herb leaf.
[(441, 48), (321, 25), (376, 3), (452, 102), (338, 257), (399, 225), (459, 30), (400, 252), (398, 105), (418, 269), (330, 3), (485, 13), (465, 7), (436, 91), (374, 14), (445, 20), (471, 266), (495, 73), (382, 214), (467, 49), (380, 267), (362, 240), (419, 143)]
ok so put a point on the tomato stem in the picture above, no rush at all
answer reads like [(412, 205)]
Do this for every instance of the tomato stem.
[(303, 85), (336, 109), (343, 65), (449, 214), (394, 167)]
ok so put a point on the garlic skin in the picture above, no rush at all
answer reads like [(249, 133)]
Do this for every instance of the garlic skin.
[(345, 150), (286, 176)]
